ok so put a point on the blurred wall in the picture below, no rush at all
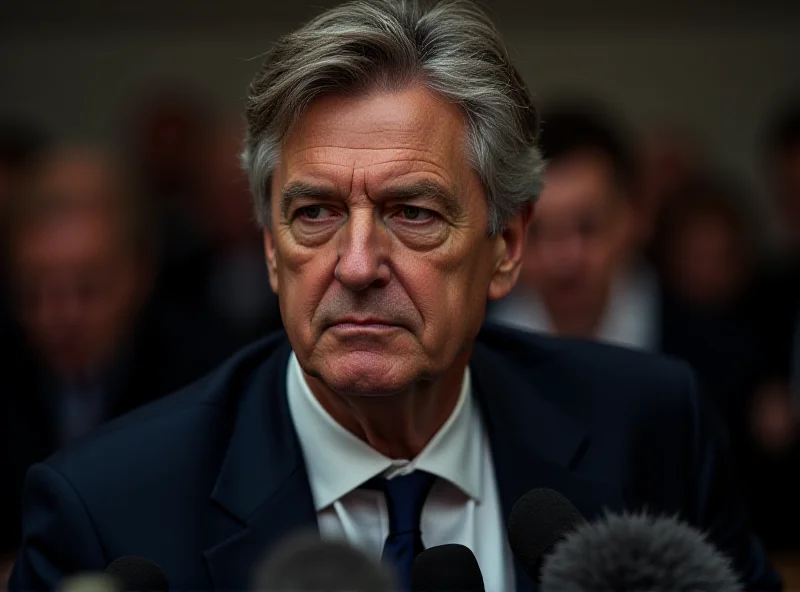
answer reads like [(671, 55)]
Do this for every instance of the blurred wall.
[(720, 77)]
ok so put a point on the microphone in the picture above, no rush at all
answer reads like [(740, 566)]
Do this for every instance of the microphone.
[(90, 582), (637, 553), (306, 563), (138, 574), (446, 568), (538, 521)]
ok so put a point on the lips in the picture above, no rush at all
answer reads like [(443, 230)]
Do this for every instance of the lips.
[(363, 322)]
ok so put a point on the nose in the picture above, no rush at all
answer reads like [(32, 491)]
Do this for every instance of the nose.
[(363, 249)]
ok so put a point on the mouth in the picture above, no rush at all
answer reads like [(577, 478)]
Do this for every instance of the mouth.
[(363, 324)]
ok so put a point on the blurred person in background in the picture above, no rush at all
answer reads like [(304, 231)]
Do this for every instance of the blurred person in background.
[(211, 262), (775, 451), (581, 276), (706, 250), (232, 279), (167, 133), (81, 269), (668, 156)]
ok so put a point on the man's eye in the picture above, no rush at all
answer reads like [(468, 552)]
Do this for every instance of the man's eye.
[(313, 212), (416, 214)]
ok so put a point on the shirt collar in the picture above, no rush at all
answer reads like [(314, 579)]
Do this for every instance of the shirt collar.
[(338, 462)]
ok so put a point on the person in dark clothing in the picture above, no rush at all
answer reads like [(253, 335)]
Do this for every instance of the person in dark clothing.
[(95, 344), (706, 252), (776, 455), (717, 316)]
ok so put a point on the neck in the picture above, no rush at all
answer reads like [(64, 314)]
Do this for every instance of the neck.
[(398, 425)]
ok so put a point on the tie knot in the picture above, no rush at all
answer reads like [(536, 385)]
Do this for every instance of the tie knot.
[(405, 496), (413, 488)]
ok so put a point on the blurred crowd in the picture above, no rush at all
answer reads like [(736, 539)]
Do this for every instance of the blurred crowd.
[(129, 272), (646, 242)]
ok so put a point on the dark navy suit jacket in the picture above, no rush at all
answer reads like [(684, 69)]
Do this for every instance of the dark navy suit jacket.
[(204, 481)]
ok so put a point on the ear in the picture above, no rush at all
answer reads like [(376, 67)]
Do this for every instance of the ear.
[(509, 250), (272, 258)]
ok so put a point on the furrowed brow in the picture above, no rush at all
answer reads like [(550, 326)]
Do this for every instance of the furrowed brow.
[(426, 190), (301, 190)]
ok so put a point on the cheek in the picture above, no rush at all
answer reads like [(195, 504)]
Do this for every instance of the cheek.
[(449, 291), (304, 277)]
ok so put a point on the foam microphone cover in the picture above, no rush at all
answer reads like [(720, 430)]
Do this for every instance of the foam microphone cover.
[(637, 553), (538, 521), (90, 582), (446, 568), (306, 563), (138, 574)]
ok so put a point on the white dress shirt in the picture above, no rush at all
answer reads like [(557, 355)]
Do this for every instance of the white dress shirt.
[(462, 507)]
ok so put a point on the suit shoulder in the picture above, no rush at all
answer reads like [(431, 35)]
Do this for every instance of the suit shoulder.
[(527, 346), (582, 366)]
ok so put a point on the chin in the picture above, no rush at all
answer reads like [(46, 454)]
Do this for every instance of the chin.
[(369, 373)]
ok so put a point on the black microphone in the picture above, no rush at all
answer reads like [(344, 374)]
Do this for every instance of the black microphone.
[(306, 563), (138, 574), (446, 568), (637, 553), (538, 521)]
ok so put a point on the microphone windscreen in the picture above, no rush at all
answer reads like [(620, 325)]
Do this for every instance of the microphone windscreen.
[(446, 568), (306, 563), (90, 582), (138, 574), (539, 520), (637, 553)]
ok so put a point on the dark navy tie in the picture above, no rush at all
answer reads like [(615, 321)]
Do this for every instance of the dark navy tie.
[(405, 496)]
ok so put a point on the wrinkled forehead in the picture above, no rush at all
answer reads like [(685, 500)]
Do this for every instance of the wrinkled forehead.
[(414, 121)]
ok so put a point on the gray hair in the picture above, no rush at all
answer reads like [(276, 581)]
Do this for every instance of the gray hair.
[(451, 47)]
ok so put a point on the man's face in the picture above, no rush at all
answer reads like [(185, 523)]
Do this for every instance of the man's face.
[(577, 241), (77, 290), (379, 249), (78, 283)]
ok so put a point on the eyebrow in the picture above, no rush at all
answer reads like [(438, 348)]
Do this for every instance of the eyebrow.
[(300, 190), (416, 190), (426, 190)]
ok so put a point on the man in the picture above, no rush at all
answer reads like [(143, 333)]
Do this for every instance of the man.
[(580, 276), (80, 273), (395, 198)]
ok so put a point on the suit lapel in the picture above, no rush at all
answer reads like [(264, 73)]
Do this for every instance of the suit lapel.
[(262, 487), (534, 443)]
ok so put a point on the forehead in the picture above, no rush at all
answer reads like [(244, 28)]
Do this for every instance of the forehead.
[(381, 135)]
